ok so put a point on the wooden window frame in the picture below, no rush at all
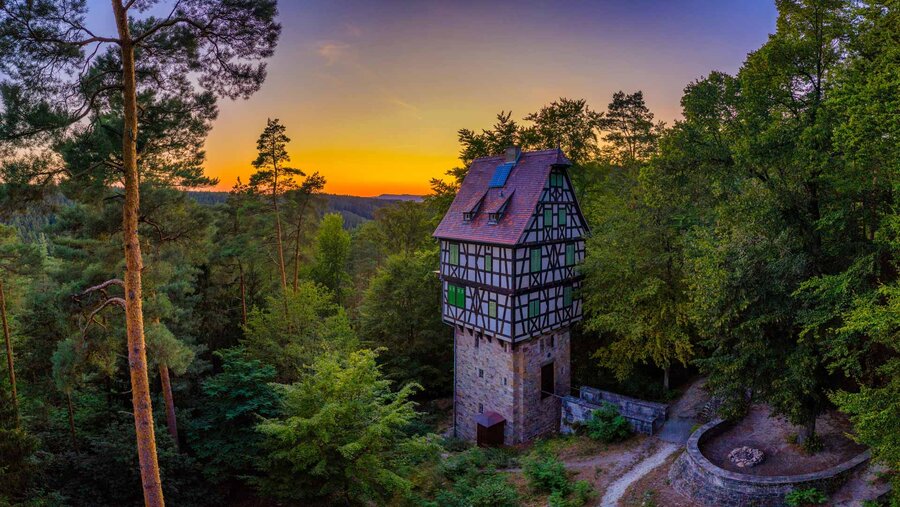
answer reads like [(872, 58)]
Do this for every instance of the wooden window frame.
[(535, 250), (489, 263), (534, 308), (562, 217), (556, 180), (454, 294), (492, 309), (567, 295), (548, 217), (453, 254), (570, 254)]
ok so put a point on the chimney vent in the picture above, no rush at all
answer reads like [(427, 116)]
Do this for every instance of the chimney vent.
[(512, 154)]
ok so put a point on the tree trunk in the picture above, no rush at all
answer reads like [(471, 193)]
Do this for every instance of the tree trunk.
[(243, 294), (10, 364), (134, 319), (297, 248), (666, 378), (807, 431), (171, 421), (278, 226), (71, 421)]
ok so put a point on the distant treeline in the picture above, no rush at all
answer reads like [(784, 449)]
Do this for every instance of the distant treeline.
[(355, 210)]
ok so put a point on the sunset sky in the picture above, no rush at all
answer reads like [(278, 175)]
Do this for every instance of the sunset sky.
[(372, 93)]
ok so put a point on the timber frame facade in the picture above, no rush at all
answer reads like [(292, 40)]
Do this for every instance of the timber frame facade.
[(510, 247)]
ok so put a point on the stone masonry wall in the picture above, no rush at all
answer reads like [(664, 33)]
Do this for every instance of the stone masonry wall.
[(483, 381), (541, 416), (577, 410), (697, 478), (497, 376)]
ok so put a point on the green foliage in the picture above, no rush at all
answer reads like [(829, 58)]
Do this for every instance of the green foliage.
[(581, 493), (340, 436), (803, 497), (635, 293), (332, 249), (105, 471), (545, 473), (474, 481), (295, 328), (630, 132), (401, 312), (607, 425), (17, 447), (479, 490), (223, 431)]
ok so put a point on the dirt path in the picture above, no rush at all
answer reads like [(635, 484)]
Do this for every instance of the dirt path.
[(615, 490)]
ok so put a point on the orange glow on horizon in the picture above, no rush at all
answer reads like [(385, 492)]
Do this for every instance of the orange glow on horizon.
[(373, 93), (351, 171)]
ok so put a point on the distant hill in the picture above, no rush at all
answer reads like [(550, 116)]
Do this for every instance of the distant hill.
[(354, 209), (400, 197)]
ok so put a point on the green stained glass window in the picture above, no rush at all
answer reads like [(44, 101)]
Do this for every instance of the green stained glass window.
[(454, 254), (534, 308), (492, 309), (488, 263), (570, 254), (535, 260)]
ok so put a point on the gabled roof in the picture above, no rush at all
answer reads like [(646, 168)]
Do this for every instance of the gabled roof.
[(521, 192)]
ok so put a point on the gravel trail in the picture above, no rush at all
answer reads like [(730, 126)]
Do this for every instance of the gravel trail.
[(615, 490)]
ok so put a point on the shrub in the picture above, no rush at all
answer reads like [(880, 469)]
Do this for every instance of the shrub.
[(453, 444), (478, 489), (802, 497), (607, 425), (546, 473), (578, 494), (493, 491)]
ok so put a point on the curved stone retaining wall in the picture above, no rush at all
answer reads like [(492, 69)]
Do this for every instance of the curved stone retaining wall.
[(696, 477)]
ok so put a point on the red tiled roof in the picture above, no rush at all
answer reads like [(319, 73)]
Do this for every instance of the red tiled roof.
[(523, 189)]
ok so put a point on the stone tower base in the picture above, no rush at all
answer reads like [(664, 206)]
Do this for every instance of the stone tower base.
[(493, 375)]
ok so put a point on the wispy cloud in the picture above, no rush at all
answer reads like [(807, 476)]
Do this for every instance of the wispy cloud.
[(332, 51), (402, 104)]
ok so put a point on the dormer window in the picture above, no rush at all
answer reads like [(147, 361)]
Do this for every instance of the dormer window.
[(493, 218), (470, 215)]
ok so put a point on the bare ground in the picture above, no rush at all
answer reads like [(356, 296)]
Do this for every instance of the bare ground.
[(773, 435)]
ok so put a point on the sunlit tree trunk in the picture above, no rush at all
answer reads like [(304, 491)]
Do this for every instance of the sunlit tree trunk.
[(171, 421), (134, 320), (10, 364)]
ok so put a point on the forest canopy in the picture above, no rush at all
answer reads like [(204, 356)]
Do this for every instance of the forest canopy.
[(276, 345)]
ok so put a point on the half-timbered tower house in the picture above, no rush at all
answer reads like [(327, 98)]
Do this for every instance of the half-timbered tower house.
[(510, 247)]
